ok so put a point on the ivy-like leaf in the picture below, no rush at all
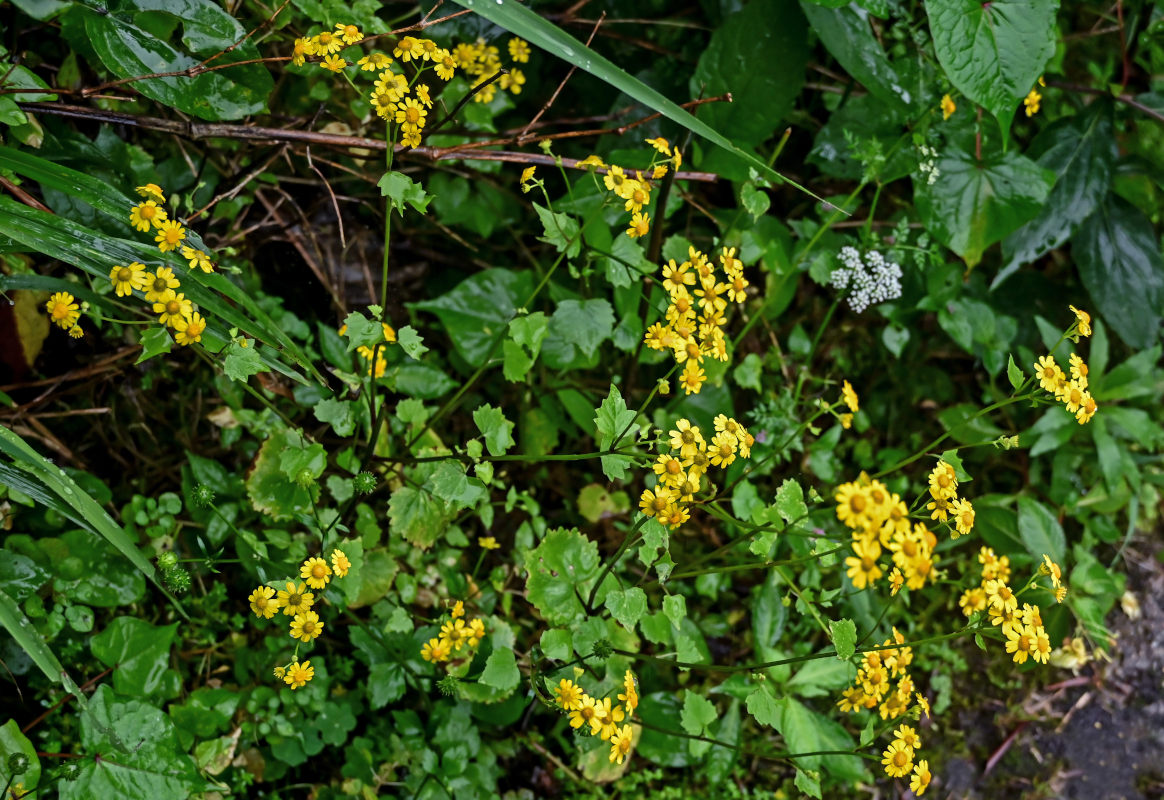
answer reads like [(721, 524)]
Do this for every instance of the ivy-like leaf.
[(401, 190), (498, 431)]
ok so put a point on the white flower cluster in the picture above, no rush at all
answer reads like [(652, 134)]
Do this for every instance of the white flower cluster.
[(927, 164), (869, 281)]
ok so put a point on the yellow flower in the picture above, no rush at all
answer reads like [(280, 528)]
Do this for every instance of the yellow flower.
[(620, 744), (897, 759), (920, 780), (512, 81), (261, 602), (151, 191), (584, 713), (669, 469), (963, 513), (1051, 568), (160, 285), (334, 63), (75, 332), (629, 696), (422, 93), (170, 235), (948, 107), (943, 482), (972, 600), (349, 33), (173, 308), (410, 138), (306, 626), (197, 259), (189, 329), (1031, 103), (1000, 596), (1083, 321), (850, 397), (1020, 640), (660, 144), (907, 736), (279, 672), (146, 214), (605, 721), (410, 112), (519, 50), (692, 378), (615, 179), (435, 650), (126, 279), (316, 572), (1051, 377), (895, 581), (722, 450), (300, 50), (295, 599), (488, 542), (374, 61), (340, 563), (527, 178), (299, 674), (924, 704), (326, 43), (63, 310), (568, 695), (408, 48), (640, 195), (445, 65), (640, 225), (1079, 370), (652, 503), (862, 567), (1072, 395), (686, 438), (852, 505), (1041, 652), (591, 162)]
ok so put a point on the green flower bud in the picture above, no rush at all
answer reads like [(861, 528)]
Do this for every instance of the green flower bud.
[(18, 764), (365, 483), (203, 496), (167, 560)]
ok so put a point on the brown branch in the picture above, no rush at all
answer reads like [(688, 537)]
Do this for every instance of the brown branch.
[(246, 38), (1126, 99), (573, 68), (219, 130)]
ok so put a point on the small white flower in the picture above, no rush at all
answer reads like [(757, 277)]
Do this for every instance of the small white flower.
[(868, 281)]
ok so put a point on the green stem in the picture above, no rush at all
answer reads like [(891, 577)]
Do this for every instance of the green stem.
[(812, 349), (632, 536), (753, 565)]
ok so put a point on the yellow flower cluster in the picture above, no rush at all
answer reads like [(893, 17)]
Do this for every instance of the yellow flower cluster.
[(482, 61), (873, 687), (326, 46), (1023, 627), (365, 352), (635, 193), (295, 602), (602, 717), (160, 288), (1071, 393), (945, 503), (851, 401), (456, 634), (689, 335), (880, 519), (679, 471)]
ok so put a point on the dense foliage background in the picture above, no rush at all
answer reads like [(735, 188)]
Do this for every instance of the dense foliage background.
[(999, 164)]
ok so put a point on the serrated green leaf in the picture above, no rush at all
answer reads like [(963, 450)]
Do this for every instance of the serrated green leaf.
[(611, 419), (675, 609), (243, 362), (340, 414), (844, 635), (498, 431), (478, 308), (417, 516), (763, 707), (560, 230), (154, 342), (411, 342), (140, 655), (401, 189), (561, 570), (698, 713), (627, 606)]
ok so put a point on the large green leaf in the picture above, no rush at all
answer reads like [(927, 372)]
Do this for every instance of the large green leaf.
[(1081, 151), (128, 50), (65, 496), (994, 52), (562, 569), (13, 741), (846, 34), (478, 308), (976, 203), (523, 22), (761, 97), (1119, 259), (1040, 530), (140, 655)]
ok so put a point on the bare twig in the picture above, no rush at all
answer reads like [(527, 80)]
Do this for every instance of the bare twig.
[(573, 68)]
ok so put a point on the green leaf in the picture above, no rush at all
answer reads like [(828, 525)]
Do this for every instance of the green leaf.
[(128, 51), (243, 362), (977, 203), (411, 342), (140, 655), (32, 643), (612, 418), (340, 414), (844, 635), (560, 230), (576, 330), (747, 375), (846, 34), (789, 501), (763, 707), (401, 189), (801, 731), (1013, 373), (141, 755), (561, 570), (526, 23), (808, 782), (417, 516), (994, 52), (698, 713), (13, 741), (675, 609), (627, 605), (498, 431), (760, 97), (450, 483), (1119, 260), (271, 490), (478, 308), (1081, 151), (1040, 530), (557, 643), (154, 342), (362, 331), (501, 672)]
